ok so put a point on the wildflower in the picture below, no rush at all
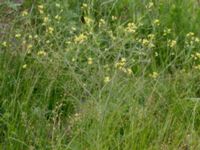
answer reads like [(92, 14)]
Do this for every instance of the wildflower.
[(129, 71), (151, 36), (166, 31), (121, 64), (24, 66), (80, 39), (46, 20), (41, 53), (114, 18), (106, 79), (50, 30), (4, 44), (88, 20), (90, 61), (154, 75), (172, 43), (24, 13), (36, 36), (18, 35), (197, 67), (84, 6), (197, 40), (190, 34), (131, 28), (145, 42), (57, 17), (101, 22), (156, 54), (40, 9), (156, 22), (29, 46)]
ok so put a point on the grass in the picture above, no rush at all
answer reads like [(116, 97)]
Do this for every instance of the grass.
[(90, 74)]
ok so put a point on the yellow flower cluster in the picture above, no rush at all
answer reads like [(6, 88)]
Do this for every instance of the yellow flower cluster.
[(167, 31), (114, 18), (156, 22), (102, 22), (89, 21), (57, 17), (80, 38), (121, 65), (50, 30), (24, 13), (131, 28), (154, 75), (41, 9), (84, 6), (24, 66), (148, 42), (171, 43), (90, 61), (191, 39), (106, 79), (41, 53), (18, 35), (196, 56)]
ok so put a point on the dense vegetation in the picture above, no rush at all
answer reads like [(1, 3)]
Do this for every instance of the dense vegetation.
[(100, 75)]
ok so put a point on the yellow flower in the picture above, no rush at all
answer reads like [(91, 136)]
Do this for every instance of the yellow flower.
[(172, 43), (145, 42), (114, 18), (90, 61), (24, 13), (154, 75), (131, 28), (41, 53), (57, 17), (29, 46), (50, 30), (80, 38), (106, 79), (156, 22), (166, 31), (88, 20), (190, 34), (197, 40), (24, 66), (197, 67), (40, 8), (4, 44), (46, 20), (129, 71), (84, 6), (18, 35), (102, 22), (121, 64)]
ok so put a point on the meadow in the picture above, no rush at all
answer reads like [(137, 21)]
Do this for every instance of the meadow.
[(100, 75)]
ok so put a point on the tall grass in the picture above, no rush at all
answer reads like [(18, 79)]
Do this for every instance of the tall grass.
[(90, 74)]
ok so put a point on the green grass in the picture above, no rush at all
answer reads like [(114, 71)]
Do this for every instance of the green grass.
[(100, 75)]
